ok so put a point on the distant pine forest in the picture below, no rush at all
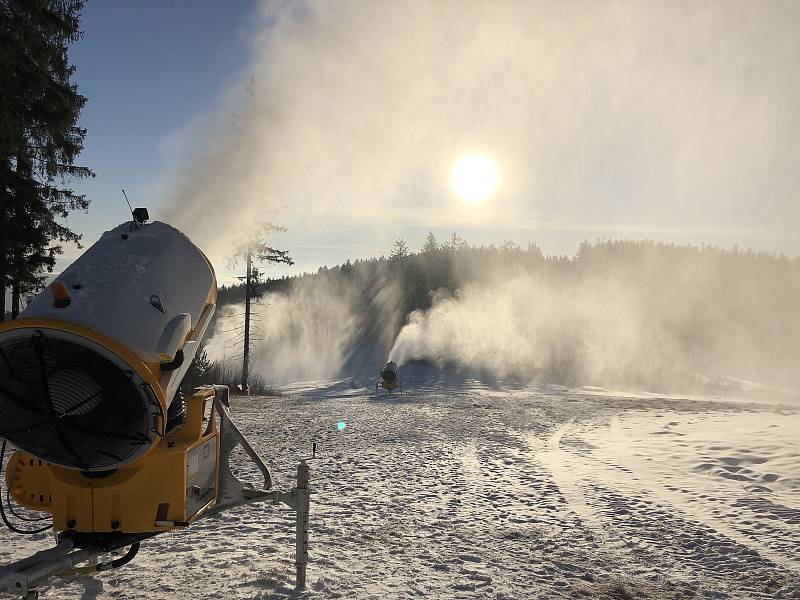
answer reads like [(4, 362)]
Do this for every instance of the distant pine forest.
[(626, 310), (450, 265)]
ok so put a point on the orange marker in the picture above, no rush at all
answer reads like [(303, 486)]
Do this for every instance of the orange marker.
[(61, 296)]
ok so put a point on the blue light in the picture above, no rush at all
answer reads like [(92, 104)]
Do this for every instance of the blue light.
[(341, 425)]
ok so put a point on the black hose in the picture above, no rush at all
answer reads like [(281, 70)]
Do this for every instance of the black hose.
[(3, 511), (122, 560), (10, 507)]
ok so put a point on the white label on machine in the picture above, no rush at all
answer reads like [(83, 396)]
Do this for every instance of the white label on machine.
[(194, 464), (201, 476)]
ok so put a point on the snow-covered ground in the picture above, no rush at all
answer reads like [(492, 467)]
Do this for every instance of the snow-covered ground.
[(463, 489)]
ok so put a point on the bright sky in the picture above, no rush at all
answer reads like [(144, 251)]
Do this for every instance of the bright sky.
[(147, 67), (668, 121)]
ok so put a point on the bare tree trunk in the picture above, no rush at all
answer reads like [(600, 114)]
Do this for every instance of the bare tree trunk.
[(2, 292), (14, 300), (247, 294), (15, 291), (3, 264)]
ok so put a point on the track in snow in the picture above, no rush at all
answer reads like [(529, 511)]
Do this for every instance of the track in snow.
[(480, 492)]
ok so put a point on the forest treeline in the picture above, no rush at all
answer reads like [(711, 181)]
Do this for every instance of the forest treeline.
[(652, 305), (729, 276)]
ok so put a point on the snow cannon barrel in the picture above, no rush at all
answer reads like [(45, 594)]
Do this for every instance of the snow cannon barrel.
[(88, 371)]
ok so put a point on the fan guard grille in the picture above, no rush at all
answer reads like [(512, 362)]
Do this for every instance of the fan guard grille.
[(68, 404)]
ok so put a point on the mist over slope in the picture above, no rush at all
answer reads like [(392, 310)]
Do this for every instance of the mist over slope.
[(636, 313), (315, 326), (619, 314)]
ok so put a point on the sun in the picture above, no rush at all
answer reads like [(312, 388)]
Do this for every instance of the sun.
[(474, 178)]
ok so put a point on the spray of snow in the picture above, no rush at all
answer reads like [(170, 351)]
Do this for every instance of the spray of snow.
[(628, 327), (621, 115), (320, 328)]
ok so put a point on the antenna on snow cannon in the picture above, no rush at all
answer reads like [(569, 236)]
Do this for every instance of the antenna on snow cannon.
[(90, 398)]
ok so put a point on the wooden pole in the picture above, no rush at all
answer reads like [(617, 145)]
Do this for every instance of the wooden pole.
[(247, 294)]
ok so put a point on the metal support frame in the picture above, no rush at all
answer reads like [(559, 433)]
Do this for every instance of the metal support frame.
[(299, 500), (233, 492), (22, 577)]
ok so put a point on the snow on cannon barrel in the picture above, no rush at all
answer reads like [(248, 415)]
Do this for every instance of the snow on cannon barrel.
[(89, 369)]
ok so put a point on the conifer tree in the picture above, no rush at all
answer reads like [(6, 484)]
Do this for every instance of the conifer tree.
[(455, 242), (399, 249), (431, 245), (39, 140), (254, 250)]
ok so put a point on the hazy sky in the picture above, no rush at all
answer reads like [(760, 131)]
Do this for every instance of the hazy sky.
[(148, 68), (671, 121)]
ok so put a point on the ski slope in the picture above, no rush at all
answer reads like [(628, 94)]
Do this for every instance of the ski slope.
[(468, 490)]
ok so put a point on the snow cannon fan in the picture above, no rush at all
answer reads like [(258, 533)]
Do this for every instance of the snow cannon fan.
[(90, 378), (91, 369)]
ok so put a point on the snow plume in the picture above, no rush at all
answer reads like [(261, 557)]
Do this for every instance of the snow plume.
[(646, 325), (320, 328), (527, 327), (675, 115)]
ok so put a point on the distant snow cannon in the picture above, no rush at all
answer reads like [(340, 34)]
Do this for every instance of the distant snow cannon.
[(90, 378), (89, 372), (388, 378)]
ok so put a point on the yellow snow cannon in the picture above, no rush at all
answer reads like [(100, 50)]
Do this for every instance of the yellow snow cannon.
[(106, 443), (90, 371), (388, 378)]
